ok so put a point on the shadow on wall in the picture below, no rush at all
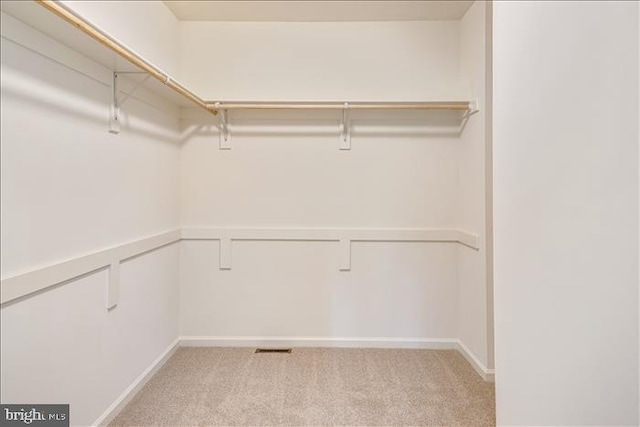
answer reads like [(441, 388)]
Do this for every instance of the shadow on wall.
[(370, 124), (49, 86)]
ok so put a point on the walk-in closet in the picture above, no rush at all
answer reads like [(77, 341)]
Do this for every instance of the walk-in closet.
[(319, 212)]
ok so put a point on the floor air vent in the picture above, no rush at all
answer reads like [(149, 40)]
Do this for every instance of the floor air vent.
[(272, 350)]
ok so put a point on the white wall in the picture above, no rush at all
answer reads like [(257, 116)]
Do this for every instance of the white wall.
[(70, 188), (566, 212), (289, 178), (322, 60), (285, 170), (63, 346), (471, 192), (78, 184), (294, 289)]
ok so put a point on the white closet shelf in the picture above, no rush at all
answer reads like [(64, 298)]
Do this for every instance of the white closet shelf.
[(108, 51), (114, 45), (58, 22)]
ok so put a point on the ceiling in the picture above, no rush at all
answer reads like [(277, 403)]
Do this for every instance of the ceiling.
[(319, 11)]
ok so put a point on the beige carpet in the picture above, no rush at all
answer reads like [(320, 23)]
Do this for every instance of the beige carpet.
[(313, 387)]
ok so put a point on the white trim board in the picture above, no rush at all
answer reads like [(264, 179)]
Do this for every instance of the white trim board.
[(343, 342), (40, 279), (137, 384), (226, 235), (21, 285)]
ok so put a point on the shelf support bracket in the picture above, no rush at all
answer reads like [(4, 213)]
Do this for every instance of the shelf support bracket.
[(345, 137), (474, 107), (114, 111), (116, 104), (225, 137)]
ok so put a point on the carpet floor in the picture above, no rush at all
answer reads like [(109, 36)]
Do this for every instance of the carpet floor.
[(312, 387)]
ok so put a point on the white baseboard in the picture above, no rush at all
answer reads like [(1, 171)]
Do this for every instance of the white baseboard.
[(136, 385), (486, 374), (328, 342)]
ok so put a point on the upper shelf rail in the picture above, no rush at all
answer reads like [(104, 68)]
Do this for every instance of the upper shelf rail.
[(214, 107), (124, 52), (456, 106)]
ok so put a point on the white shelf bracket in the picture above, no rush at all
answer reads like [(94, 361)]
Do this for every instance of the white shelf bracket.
[(116, 104), (225, 136), (345, 137), (474, 107), (114, 111)]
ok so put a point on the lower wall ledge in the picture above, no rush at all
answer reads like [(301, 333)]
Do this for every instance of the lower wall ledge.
[(14, 288)]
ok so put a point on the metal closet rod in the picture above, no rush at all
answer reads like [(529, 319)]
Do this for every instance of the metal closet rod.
[(109, 42), (213, 107)]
